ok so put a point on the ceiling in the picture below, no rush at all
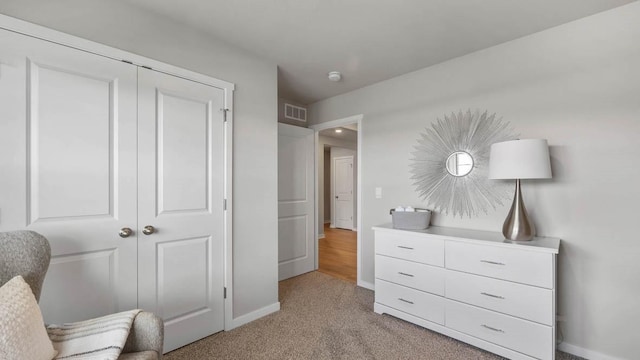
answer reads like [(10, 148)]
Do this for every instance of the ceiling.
[(367, 40), (349, 135)]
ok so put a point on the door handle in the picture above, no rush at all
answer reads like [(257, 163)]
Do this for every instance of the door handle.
[(125, 232), (148, 230)]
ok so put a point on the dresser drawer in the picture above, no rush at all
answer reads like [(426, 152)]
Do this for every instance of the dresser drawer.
[(405, 245), (527, 267), (412, 274), (524, 301), (527, 337), (414, 302)]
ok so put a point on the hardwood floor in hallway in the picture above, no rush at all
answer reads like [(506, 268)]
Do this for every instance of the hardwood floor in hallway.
[(337, 253)]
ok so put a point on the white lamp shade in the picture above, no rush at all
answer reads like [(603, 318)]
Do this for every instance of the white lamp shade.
[(520, 159)]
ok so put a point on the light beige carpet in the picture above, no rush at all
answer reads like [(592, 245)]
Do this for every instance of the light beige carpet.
[(322, 317)]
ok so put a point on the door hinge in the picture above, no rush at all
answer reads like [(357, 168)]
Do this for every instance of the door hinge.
[(225, 292), (224, 204), (225, 111)]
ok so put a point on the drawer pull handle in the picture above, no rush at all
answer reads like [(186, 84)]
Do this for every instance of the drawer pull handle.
[(407, 301), (405, 274), (492, 328), (493, 262), (493, 296), (405, 247)]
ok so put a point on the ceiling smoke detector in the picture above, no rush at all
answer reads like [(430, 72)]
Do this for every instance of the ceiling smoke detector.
[(334, 76)]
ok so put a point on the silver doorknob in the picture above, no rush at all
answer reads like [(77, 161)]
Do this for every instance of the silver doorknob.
[(125, 232), (148, 230)]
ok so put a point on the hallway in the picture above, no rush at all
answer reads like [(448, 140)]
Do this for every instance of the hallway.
[(337, 253)]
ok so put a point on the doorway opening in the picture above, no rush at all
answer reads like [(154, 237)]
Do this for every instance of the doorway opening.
[(337, 253), (338, 197)]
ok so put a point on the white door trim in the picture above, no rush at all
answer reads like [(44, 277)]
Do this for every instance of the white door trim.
[(41, 32), (228, 213), (355, 119)]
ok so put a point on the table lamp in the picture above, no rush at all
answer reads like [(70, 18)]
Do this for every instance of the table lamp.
[(519, 159)]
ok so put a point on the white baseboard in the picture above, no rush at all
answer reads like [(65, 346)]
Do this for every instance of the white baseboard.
[(255, 315), (366, 285), (354, 229), (585, 353), (321, 236)]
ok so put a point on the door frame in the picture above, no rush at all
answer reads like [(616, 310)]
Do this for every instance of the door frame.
[(355, 119), (333, 190), (44, 33)]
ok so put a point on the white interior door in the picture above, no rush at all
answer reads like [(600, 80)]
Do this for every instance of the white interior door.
[(343, 192), (296, 203), (68, 160), (181, 177)]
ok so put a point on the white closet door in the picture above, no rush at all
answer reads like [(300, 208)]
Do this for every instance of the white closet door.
[(181, 128), (68, 160), (296, 202)]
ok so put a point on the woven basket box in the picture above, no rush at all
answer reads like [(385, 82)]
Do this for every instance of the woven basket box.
[(411, 220)]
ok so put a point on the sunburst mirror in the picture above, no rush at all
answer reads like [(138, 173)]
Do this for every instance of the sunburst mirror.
[(450, 163)]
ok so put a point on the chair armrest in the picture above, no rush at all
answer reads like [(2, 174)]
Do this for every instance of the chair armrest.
[(147, 333)]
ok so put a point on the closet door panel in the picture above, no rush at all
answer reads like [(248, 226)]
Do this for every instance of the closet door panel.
[(183, 142), (71, 157), (178, 260), (70, 135), (181, 152)]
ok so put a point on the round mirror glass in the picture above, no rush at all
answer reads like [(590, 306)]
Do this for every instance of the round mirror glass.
[(459, 163)]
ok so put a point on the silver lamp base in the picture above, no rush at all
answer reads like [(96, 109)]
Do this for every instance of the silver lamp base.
[(518, 226)]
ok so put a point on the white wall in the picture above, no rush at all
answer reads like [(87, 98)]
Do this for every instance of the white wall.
[(255, 232), (577, 85)]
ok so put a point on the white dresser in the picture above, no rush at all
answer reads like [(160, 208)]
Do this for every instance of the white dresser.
[(471, 285)]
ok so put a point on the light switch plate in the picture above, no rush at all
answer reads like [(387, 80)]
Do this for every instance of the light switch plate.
[(378, 193)]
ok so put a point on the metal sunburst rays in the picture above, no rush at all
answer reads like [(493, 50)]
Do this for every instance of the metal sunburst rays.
[(465, 131)]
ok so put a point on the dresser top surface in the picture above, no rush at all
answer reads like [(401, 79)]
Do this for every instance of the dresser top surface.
[(542, 244)]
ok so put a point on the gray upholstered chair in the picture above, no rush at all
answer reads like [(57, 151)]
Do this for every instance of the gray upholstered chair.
[(28, 253)]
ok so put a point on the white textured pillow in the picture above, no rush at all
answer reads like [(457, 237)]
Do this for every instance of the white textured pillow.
[(22, 331)]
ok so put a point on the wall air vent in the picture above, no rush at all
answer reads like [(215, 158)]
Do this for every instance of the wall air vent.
[(295, 112)]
